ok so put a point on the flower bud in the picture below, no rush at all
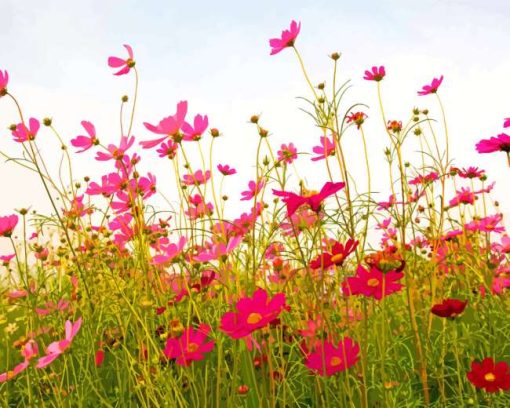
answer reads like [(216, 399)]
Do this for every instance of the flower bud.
[(243, 389), (125, 98), (321, 86), (254, 119), (12, 127), (335, 56), (263, 132), (47, 121), (214, 132)]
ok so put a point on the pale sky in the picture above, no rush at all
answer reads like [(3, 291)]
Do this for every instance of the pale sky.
[(215, 54)]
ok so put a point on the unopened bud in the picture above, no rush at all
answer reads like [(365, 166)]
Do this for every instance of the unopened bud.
[(12, 127), (215, 132), (321, 86), (125, 98), (254, 119), (335, 56), (47, 121), (263, 132)]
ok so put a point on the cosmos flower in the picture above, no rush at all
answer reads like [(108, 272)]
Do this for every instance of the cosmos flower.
[(337, 255), (169, 126), (190, 346), (86, 142), (287, 39), (326, 149), (370, 283), (499, 143), (489, 375), (449, 308), (57, 348), (375, 74), (226, 170), (432, 88), (125, 65), (287, 153), (23, 134), (4, 80), (328, 359), (254, 188), (7, 225)]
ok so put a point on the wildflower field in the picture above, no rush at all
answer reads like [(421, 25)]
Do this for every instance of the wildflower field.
[(324, 293)]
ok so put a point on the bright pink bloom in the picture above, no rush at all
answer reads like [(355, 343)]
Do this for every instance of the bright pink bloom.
[(432, 88), (191, 346), (4, 80), (370, 283), (194, 133), (253, 190), (99, 358), (226, 170), (170, 252), (424, 179), (199, 177), (86, 142), (168, 149), (124, 64), (326, 149), (22, 133), (114, 152), (504, 246), (7, 225), (506, 123), (198, 208), (327, 359), (28, 351), (287, 153), (468, 173), (287, 38), (253, 313), (489, 375), (376, 74), (55, 349), (218, 250), (486, 224), (169, 126), (464, 196), (499, 143), (294, 201)]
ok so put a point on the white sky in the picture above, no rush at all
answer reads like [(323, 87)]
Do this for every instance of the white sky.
[(216, 55)]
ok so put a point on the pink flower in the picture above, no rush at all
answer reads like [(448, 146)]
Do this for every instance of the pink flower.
[(339, 252), (253, 190), (432, 88), (114, 152), (287, 38), (499, 143), (168, 149), (199, 177), (86, 142), (7, 225), (22, 133), (4, 80), (124, 64), (169, 126), (253, 313), (371, 283), (55, 349), (326, 149), (294, 201), (226, 170), (464, 196), (506, 123), (327, 359), (194, 133), (28, 351), (191, 346), (424, 179), (486, 224), (218, 250), (169, 252), (287, 153), (198, 208), (469, 173), (376, 74)]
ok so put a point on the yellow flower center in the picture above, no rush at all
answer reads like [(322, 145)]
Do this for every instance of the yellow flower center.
[(373, 282), (192, 347), (335, 361), (337, 258), (490, 377), (254, 318)]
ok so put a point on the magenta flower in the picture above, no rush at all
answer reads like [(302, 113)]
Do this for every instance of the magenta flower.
[(55, 349), (28, 351), (499, 143), (287, 38), (7, 225), (217, 250), (327, 359), (326, 149), (376, 74), (124, 64), (199, 177), (252, 313), (253, 190), (169, 252), (226, 170), (194, 133), (191, 346), (114, 152), (198, 208), (287, 153), (432, 88), (370, 283), (169, 126), (506, 123), (486, 224), (168, 149), (22, 133), (86, 142), (4, 80), (294, 201)]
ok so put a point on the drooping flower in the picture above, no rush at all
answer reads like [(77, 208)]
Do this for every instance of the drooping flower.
[(375, 74), (449, 308), (432, 88), (370, 283), (326, 149), (489, 375), (252, 313), (254, 188), (190, 346), (339, 252), (4, 80), (499, 143), (328, 359), (294, 201), (287, 153), (7, 225), (86, 142), (55, 349), (226, 170), (124, 64), (287, 38), (169, 126), (23, 134)]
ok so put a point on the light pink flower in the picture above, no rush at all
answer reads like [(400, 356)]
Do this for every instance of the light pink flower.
[(124, 64), (55, 349), (199, 177), (287, 153), (114, 152)]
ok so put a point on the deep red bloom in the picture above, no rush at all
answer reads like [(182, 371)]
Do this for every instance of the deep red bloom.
[(371, 283), (23, 134), (432, 88), (490, 375), (4, 80), (499, 143), (86, 142), (287, 38), (449, 308), (7, 225), (327, 359), (337, 255), (252, 313), (190, 346), (376, 74), (124, 64), (294, 201)]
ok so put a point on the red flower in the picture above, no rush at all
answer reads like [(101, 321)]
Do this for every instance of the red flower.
[(449, 308), (191, 346), (4, 80), (376, 74), (356, 117), (337, 255), (287, 38), (490, 375), (7, 225), (371, 283), (328, 359), (499, 143), (124, 64), (294, 201), (432, 88), (86, 142), (253, 313)]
